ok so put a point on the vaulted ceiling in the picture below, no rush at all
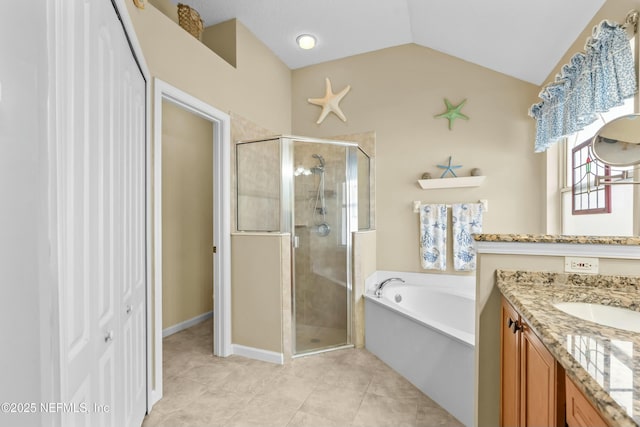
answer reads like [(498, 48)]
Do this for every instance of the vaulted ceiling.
[(523, 39)]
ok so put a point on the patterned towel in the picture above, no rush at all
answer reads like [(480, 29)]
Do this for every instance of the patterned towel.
[(467, 220), (433, 237)]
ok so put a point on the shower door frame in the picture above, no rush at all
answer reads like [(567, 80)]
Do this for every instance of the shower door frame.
[(287, 221)]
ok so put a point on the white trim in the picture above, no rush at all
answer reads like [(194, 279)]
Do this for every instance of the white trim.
[(186, 324), (559, 249), (222, 222), (258, 354), (156, 355)]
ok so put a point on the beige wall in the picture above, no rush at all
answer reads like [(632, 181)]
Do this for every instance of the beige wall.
[(259, 87), (187, 209), (221, 39), (488, 319), (167, 7), (396, 92), (258, 296)]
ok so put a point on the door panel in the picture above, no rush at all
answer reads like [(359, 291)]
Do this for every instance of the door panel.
[(538, 383), (78, 334), (100, 195), (106, 384), (132, 306), (105, 171), (510, 366), (321, 246)]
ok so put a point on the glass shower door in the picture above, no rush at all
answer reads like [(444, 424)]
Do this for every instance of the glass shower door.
[(322, 222)]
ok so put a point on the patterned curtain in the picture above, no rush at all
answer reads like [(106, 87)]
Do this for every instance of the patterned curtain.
[(593, 82)]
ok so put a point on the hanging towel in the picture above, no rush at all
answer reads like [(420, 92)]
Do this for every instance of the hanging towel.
[(433, 237), (466, 219)]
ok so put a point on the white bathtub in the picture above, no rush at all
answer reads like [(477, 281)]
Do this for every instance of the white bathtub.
[(428, 337)]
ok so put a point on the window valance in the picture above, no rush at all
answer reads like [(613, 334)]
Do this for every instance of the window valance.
[(594, 81)]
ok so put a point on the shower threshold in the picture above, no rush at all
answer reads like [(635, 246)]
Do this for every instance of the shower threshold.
[(322, 350)]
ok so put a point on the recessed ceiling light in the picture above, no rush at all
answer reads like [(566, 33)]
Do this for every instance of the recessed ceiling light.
[(306, 41)]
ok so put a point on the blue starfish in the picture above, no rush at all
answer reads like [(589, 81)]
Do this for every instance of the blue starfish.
[(449, 168)]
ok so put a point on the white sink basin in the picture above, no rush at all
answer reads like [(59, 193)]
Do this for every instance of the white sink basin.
[(621, 318)]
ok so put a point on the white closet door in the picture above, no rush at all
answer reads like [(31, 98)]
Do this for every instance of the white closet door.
[(132, 305), (99, 193)]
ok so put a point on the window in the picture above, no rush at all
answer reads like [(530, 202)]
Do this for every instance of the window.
[(620, 222), (587, 198)]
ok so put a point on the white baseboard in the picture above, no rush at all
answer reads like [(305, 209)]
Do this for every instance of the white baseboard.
[(156, 395), (258, 354), (186, 324)]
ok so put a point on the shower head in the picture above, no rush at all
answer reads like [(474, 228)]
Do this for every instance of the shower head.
[(320, 159)]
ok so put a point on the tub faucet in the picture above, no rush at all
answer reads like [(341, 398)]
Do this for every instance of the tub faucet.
[(378, 291)]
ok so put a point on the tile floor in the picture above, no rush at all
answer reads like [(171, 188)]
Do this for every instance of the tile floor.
[(339, 388)]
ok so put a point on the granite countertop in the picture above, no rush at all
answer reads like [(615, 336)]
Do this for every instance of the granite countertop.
[(547, 238), (604, 362)]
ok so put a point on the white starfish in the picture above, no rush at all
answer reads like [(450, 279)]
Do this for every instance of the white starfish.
[(330, 102)]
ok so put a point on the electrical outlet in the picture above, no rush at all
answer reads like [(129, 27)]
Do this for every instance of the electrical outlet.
[(581, 265)]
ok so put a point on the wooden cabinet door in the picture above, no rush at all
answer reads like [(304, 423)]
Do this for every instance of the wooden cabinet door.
[(580, 412), (540, 385), (510, 367)]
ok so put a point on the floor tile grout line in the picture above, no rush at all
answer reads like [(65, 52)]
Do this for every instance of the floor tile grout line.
[(358, 410), (295, 412)]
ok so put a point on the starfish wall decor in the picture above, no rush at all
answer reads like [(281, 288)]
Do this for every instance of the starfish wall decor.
[(330, 102), (453, 112), (449, 169)]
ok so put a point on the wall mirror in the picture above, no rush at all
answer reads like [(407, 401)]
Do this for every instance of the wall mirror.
[(617, 143)]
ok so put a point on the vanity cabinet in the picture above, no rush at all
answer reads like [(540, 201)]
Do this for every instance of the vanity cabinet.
[(531, 382), (509, 366), (580, 412)]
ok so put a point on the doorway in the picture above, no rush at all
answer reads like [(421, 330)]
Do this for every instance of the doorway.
[(179, 102), (187, 220)]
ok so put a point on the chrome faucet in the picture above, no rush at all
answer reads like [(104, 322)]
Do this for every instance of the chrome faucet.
[(378, 291)]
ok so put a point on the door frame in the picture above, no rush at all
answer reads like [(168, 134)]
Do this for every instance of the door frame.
[(351, 222), (221, 123)]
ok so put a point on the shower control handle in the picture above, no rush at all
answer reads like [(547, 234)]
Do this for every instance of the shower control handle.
[(296, 242)]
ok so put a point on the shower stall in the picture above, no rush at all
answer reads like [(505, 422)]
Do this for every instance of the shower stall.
[(318, 192)]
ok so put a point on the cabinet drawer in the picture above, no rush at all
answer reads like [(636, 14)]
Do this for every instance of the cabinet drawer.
[(580, 412)]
